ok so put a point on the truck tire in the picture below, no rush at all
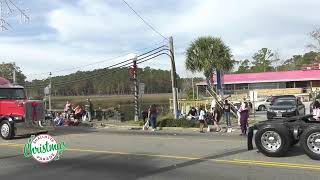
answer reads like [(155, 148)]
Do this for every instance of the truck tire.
[(6, 130), (273, 141), (310, 142)]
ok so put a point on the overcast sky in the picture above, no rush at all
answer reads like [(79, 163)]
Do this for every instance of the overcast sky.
[(63, 34)]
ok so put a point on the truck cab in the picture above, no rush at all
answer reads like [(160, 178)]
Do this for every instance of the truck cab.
[(18, 115)]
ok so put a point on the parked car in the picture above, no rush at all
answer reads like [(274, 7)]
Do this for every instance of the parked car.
[(285, 106), (263, 105)]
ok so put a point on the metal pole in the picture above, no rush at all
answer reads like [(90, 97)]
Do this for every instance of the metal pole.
[(192, 89), (50, 86), (253, 106), (1, 17), (197, 92), (173, 79), (14, 76), (136, 89)]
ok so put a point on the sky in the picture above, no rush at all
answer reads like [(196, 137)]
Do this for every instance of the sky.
[(64, 36)]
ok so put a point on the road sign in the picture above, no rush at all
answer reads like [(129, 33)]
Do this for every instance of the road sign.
[(141, 88), (47, 90), (253, 96)]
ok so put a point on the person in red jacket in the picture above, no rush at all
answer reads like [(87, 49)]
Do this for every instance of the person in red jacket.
[(244, 116)]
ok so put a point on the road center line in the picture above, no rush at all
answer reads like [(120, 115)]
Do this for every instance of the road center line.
[(234, 161)]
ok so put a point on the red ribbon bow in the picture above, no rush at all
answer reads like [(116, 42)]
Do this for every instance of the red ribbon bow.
[(34, 112)]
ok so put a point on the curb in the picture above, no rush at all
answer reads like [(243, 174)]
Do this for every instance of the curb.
[(133, 127)]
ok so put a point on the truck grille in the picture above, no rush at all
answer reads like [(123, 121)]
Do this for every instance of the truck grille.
[(34, 111)]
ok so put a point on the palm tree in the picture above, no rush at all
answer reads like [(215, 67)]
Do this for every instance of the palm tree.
[(207, 54)]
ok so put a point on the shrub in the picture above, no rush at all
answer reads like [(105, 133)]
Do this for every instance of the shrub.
[(170, 122)]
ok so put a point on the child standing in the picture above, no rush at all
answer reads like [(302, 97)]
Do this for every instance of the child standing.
[(226, 113), (201, 119)]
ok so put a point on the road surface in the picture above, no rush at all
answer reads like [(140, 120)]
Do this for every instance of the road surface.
[(134, 154)]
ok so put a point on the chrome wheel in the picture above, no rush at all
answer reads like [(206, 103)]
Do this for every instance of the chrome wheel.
[(313, 142), (271, 141), (5, 130)]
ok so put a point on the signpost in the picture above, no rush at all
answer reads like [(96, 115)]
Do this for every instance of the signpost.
[(141, 89), (141, 92), (46, 94), (253, 98)]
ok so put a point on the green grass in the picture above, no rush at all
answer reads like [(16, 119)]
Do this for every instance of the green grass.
[(110, 101)]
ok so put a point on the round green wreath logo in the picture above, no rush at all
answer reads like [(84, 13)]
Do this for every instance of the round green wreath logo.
[(43, 148)]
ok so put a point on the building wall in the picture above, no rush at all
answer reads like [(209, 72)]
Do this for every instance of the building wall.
[(274, 85), (316, 84)]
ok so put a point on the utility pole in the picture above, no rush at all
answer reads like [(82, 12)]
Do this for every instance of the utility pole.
[(173, 79), (50, 86), (14, 74), (136, 89), (192, 89)]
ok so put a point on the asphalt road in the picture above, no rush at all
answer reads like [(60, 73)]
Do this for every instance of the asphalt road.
[(134, 154)]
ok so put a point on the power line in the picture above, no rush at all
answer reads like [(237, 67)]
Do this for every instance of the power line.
[(7, 8), (95, 63), (127, 62), (86, 78), (149, 25)]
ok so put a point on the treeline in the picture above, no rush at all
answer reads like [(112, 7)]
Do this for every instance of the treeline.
[(104, 82), (266, 60)]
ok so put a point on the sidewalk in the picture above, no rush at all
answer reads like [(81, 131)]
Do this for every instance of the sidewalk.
[(131, 127)]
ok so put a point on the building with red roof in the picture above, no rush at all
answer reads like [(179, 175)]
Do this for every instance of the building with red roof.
[(270, 80)]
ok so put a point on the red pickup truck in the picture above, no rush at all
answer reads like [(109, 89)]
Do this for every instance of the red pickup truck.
[(18, 115)]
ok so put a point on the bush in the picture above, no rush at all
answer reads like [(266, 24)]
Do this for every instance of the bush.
[(165, 120), (169, 122)]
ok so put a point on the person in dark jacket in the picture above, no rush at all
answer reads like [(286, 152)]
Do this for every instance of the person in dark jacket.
[(226, 113), (244, 116), (144, 115), (153, 116), (89, 110)]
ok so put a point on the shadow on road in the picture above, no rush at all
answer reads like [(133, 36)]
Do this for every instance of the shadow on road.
[(193, 162), (65, 130)]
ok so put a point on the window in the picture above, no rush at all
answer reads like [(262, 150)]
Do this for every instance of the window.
[(11, 93), (284, 102), (241, 86)]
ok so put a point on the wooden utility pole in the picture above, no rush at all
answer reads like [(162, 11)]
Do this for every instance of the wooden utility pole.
[(14, 76), (136, 89), (192, 89), (50, 86), (173, 79)]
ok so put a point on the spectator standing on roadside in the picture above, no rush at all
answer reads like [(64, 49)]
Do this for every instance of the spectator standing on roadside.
[(316, 110), (201, 119), (216, 119), (226, 113), (153, 116), (67, 109), (89, 110), (244, 115)]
